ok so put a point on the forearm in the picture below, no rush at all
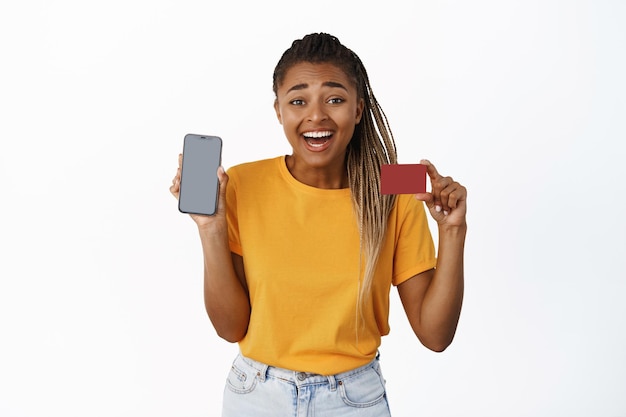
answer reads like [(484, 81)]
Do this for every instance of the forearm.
[(443, 300), (225, 298)]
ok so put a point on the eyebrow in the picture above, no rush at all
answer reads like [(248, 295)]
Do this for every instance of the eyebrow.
[(332, 84)]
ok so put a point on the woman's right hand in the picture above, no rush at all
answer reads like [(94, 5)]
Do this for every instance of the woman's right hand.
[(219, 218), (225, 289)]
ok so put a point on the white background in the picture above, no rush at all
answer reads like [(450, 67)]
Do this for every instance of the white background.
[(101, 310)]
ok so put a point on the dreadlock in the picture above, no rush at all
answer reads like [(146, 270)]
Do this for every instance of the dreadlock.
[(372, 145)]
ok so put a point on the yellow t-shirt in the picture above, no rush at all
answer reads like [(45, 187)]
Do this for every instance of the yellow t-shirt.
[(300, 248)]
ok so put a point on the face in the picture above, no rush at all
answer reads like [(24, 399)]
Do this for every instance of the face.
[(317, 105)]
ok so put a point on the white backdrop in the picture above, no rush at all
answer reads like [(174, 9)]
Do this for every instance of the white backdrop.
[(101, 310)]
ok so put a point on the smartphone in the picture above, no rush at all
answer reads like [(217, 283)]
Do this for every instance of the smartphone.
[(199, 186)]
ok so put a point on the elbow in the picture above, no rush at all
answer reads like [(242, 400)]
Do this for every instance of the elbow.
[(439, 348), (437, 345), (436, 338), (230, 330), (231, 336)]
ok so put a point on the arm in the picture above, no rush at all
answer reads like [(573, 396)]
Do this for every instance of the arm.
[(225, 292), (432, 300)]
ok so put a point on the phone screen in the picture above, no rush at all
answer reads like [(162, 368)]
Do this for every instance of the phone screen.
[(198, 179)]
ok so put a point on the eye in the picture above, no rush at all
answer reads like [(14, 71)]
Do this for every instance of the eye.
[(335, 100), (297, 102)]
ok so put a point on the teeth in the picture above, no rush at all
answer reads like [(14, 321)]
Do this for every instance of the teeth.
[(317, 135), (317, 145)]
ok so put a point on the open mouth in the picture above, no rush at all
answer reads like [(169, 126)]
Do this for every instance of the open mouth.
[(317, 139)]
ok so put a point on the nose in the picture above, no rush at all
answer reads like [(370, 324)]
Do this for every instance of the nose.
[(317, 112)]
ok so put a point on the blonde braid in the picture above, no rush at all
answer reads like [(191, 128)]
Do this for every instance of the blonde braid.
[(372, 209)]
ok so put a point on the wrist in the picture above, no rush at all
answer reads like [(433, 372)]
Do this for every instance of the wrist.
[(213, 231), (453, 230)]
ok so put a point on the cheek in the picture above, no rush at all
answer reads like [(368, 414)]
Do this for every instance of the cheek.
[(286, 116), (290, 124), (348, 119)]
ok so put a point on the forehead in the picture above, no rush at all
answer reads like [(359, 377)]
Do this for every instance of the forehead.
[(314, 74)]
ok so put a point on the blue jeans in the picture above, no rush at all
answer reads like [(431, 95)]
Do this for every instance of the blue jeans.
[(254, 389)]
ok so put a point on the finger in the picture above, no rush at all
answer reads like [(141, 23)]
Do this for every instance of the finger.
[(427, 198), (437, 188), (222, 177), (445, 187), (175, 189), (435, 177), (177, 176), (450, 195), (454, 194), (433, 174), (429, 201)]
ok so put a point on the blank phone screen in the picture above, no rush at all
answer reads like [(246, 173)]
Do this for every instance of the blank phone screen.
[(198, 184)]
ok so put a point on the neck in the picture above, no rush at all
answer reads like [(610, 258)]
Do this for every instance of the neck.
[(326, 177)]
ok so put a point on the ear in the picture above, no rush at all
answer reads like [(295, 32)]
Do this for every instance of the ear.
[(359, 111), (277, 110)]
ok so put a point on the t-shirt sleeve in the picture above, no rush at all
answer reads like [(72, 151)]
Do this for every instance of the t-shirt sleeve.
[(414, 249), (234, 241)]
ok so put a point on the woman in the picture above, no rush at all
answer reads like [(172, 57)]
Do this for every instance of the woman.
[(303, 250)]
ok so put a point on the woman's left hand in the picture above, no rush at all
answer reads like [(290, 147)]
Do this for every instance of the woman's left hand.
[(447, 199)]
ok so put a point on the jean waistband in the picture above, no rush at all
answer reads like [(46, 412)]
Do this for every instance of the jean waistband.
[(304, 378)]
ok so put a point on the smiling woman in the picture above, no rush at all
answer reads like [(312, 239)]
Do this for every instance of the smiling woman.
[(319, 108), (302, 253)]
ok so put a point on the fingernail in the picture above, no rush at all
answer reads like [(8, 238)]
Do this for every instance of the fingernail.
[(437, 209), (445, 212)]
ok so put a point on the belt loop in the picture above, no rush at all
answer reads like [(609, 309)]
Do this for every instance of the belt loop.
[(259, 367), (262, 372), (332, 382)]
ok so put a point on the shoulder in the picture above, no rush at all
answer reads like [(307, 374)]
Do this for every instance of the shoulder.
[(262, 164), (408, 205), (255, 169), (408, 213)]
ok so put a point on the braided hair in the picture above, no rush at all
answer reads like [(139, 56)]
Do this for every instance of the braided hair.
[(372, 145)]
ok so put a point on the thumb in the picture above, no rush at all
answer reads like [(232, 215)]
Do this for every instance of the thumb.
[(426, 198), (222, 177)]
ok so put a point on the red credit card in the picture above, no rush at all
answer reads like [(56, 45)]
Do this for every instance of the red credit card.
[(402, 179)]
